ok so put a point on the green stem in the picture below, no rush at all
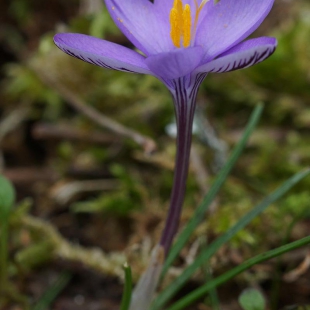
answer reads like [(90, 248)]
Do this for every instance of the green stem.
[(127, 289)]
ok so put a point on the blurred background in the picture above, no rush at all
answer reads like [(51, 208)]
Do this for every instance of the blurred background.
[(91, 154)]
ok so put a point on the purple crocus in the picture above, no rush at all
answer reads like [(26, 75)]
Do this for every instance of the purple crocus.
[(180, 41)]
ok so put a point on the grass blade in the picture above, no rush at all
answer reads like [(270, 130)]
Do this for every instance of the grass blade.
[(201, 210), (201, 291), (50, 295), (127, 289), (206, 254)]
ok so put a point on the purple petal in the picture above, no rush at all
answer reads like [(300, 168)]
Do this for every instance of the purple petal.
[(143, 25), (243, 55), (175, 64), (164, 5), (101, 53), (228, 22)]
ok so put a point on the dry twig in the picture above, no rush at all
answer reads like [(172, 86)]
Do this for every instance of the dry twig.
[(44, 131), (96, 259), (80, 105)]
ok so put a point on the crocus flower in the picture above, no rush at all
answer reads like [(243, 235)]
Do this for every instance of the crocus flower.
[(180, 42)]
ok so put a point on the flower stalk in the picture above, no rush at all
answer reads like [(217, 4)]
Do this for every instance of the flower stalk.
[(184, 93), (184, 101)]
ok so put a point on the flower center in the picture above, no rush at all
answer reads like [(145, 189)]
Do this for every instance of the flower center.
[(181, 25)]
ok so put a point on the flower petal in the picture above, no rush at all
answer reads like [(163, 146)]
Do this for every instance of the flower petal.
[(243, 55), (101, 53), (164, 5), (228, 22), (175, 64), (142, 24)]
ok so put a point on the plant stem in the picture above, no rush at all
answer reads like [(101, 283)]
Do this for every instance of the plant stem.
[(125, 304), (184, 93), (214, 189), (184, 100)]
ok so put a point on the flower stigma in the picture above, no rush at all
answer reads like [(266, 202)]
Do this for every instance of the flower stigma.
[(182, 29)]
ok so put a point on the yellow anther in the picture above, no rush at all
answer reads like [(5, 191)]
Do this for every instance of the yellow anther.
[(178, 5), (176, 29), (187, 25), (182, 27), (180, 23)]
